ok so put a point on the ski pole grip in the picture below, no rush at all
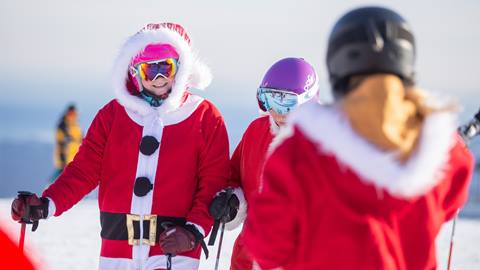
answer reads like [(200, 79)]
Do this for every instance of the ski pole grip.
[(26, 215)]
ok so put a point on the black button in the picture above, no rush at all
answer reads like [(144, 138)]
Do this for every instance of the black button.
[(148, 145), (142, 186)]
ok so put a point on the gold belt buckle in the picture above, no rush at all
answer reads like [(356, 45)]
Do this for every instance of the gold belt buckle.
[(131, 232), (153, 230)]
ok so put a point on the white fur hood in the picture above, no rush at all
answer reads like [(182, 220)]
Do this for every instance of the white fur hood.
[(332, 133), (192, 73)]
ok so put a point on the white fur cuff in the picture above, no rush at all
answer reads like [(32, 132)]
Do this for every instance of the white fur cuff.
[(242, 210)]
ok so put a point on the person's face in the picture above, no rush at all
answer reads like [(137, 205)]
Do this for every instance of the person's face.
[(160, 86), (278, 118), (71, 115)]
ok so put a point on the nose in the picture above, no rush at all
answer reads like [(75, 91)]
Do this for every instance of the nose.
[(160, 76)]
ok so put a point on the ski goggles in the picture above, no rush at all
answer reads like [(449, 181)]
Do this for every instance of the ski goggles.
[(151, 70), (281, 101)]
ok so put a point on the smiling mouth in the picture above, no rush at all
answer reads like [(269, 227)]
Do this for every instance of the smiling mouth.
[(160, 86)]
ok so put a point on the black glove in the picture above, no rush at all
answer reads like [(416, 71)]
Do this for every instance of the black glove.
[(224, 206), (28, 208)]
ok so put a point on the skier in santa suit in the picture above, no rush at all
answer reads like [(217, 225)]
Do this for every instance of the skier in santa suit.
[(286, 85), (157, 152), (367, 182)]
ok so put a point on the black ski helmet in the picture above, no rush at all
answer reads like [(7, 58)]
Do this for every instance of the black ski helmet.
[(370, 40)]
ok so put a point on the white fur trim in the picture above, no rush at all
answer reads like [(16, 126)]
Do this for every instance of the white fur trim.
[(146, 167), (201, 76), (182, 113), (274, 127), (152, 262), (191, 72), (330, 129), (51, 208), (286, 130), (242, 210), (283, 133)]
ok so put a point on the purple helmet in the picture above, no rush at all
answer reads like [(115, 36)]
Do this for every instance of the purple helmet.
[(293, 75)]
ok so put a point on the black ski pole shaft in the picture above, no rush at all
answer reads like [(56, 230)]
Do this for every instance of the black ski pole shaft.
[(220, 245), (467, 132)]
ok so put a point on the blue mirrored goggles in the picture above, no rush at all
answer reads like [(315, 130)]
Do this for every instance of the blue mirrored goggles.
[(282, 101)]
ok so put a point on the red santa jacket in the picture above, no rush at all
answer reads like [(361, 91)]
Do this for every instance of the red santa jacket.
[(152, 165), (249, 157), (330, 200), (246, 167)]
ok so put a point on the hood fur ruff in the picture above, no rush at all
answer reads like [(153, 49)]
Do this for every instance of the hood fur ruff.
[(331, 131), (192, 73)]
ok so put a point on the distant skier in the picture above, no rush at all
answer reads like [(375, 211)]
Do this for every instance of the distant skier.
[(367, 182), (68, 137), (288, 83), (157, 152)]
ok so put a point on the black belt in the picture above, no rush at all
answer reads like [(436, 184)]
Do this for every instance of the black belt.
[(118, 226)]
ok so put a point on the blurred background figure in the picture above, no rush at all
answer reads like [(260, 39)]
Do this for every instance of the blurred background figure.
[(11, 256), (68, 137)]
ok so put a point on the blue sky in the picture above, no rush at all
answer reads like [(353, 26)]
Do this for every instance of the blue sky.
[(54, 51)]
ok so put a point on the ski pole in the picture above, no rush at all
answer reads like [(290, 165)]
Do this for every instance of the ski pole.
[(467, 132), (224, 219), (451, 240), (217, 260), (22, 236)]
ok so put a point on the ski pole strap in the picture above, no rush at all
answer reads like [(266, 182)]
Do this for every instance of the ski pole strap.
[(198, 237), (204, 247), (213, 234)]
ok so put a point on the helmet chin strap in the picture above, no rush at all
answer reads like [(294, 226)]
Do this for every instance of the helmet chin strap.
[(152, 99)]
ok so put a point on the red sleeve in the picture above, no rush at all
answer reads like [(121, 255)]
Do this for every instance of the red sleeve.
[(82, 174), (213, 167), (235, 163), (269, 232), (452, 193)]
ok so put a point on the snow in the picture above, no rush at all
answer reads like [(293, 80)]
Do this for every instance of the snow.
[(72, 241)]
